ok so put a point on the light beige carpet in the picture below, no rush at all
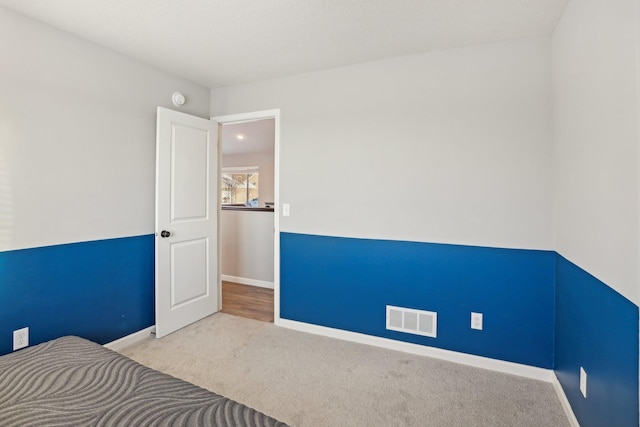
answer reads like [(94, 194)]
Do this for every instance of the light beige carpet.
[(309, 380)]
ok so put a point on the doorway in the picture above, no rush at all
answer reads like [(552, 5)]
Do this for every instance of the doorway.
[(249, 209)]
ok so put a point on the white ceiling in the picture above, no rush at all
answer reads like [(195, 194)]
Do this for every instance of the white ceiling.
[(226, 42), (258, 136)]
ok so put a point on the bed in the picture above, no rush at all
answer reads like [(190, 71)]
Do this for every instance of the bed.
[(74, 382)]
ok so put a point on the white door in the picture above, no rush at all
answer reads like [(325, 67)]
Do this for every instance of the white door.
[(186, 220)]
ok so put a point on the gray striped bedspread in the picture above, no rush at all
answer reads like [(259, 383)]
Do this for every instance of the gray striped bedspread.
[(74, 382)]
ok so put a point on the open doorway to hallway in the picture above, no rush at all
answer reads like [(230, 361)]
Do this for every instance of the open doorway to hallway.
[(247, 217)]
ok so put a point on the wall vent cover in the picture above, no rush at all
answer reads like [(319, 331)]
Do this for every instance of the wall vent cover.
[(412, 321)]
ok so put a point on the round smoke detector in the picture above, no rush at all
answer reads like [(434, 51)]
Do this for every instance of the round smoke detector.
[(178, 99)]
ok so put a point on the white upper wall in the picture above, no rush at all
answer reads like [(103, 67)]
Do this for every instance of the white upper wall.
[(596, 119), (77, 137), (452, 146)]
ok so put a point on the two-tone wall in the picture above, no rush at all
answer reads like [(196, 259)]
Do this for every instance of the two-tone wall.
[(500, 179), (422, 182), (596, 89), (77, 183)]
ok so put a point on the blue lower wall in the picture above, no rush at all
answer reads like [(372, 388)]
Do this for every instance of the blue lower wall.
[(104, 290), (346, 283), (597, 329), (100, 290)]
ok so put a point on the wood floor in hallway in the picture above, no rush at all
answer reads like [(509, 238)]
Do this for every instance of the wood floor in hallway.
[(252, 302)]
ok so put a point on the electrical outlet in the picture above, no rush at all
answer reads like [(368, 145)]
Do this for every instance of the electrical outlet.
[(476, 321), (20, 338), (583, 382)]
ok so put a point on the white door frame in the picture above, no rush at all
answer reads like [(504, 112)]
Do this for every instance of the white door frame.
[(245, 117)]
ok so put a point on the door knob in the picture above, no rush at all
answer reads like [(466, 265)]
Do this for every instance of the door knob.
[(165, 233)]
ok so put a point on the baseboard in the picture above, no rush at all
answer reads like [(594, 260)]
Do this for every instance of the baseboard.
[(532, 372), (566, 406), (245, 281), (131, 339)]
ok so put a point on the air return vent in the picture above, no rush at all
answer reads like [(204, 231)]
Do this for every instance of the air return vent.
[(412, 321)]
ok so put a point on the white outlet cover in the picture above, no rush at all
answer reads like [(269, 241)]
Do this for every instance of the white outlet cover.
[(20, 338), (286, 209), (476, 321), (583, 382)]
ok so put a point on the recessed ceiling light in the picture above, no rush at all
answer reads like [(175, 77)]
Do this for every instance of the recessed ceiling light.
[(240, 137)]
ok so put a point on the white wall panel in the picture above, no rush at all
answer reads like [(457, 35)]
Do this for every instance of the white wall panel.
[(451, 146), (246, 244), (596, 117), (77, 136)]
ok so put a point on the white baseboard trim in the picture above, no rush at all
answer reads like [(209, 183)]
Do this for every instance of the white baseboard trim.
[(566, 406), (131, 339), (245, 281), (533, 372)]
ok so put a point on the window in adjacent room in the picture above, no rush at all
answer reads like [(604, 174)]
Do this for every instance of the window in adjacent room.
[(239, 186)]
